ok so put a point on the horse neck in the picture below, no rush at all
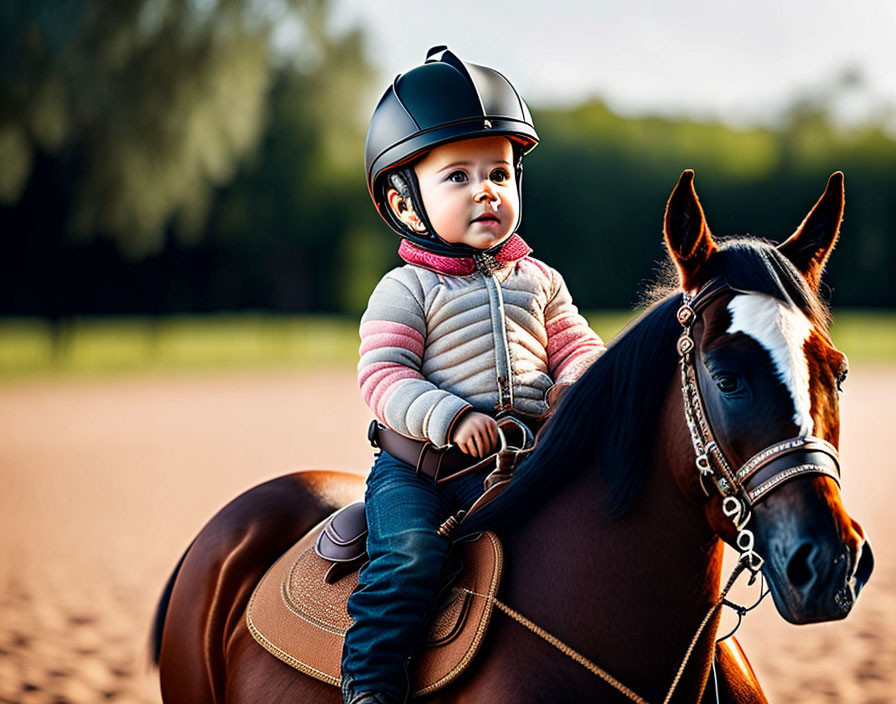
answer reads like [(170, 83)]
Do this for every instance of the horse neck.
[(611, 585)]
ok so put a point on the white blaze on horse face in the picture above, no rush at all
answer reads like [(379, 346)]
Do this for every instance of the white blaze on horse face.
[(782, 331)]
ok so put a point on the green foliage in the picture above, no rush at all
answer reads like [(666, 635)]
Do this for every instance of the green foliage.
[(303, 196), (151, 104), (218, 147), (597, 186)]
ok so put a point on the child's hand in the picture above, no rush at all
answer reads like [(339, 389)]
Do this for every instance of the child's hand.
[(476, 434)]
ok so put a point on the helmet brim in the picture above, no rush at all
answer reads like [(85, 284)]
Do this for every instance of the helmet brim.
[(418, 144)]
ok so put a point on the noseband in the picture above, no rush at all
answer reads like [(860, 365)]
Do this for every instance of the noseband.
[(765, 471)]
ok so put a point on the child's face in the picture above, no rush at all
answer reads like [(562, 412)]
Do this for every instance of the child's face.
[(469, 191)]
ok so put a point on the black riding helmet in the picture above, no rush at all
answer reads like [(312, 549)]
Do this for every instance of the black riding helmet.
[(444, 100)]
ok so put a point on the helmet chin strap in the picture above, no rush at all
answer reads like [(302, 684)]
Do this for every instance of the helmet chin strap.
[(404, 181)]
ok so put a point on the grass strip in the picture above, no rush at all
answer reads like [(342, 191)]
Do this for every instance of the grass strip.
[(98, 346)]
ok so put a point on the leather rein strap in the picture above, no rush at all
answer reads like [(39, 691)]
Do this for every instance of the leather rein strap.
[(442, 464), (447, 463)]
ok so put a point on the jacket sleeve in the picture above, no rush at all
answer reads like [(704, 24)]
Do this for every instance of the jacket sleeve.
[(393, 331), (572, 345)]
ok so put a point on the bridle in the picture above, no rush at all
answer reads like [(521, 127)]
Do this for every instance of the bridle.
[(765, 471), (741, 490)]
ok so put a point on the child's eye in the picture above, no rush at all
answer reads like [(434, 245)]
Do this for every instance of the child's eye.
[(499, 175), (457, 177)]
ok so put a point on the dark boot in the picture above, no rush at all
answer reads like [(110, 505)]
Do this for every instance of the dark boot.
[(372, 698), (349, 696)]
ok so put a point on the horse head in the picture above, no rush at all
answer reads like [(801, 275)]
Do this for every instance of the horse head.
[(761, 380)]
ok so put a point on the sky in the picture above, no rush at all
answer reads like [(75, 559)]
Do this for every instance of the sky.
[(741, 62)]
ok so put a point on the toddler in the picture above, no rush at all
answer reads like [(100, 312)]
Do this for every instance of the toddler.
[(471, 329)]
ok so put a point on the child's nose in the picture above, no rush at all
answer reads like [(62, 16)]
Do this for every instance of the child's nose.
[(485, 192)]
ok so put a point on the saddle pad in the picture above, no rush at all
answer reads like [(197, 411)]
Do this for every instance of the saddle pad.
[(299, 618)]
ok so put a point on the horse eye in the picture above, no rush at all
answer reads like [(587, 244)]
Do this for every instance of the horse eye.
[(841, 379), (727, 383)]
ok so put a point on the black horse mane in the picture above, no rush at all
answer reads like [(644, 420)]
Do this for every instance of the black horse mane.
[(608, 417)]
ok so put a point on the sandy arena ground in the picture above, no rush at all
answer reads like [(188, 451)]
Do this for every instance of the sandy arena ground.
[(104, 483)]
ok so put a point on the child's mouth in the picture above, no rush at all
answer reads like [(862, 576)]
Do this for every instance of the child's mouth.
[(486, 219)]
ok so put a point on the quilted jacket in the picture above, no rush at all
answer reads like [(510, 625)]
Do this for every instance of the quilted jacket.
[(442, 335)]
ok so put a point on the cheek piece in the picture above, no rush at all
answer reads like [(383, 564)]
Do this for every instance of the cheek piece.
[(404, 180)]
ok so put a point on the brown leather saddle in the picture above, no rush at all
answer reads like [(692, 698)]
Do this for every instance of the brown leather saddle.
[(298, 610)]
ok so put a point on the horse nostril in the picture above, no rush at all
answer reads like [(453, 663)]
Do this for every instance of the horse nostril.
[(800, 571), (865, 565)]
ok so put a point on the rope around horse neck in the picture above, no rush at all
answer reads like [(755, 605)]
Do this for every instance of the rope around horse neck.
[(561, 646), (596, 669), (738, 568)]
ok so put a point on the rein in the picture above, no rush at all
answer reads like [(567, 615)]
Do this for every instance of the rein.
[(596, 669), (741, 490)]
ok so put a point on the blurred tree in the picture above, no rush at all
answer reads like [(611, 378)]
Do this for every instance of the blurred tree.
[(298, 212), (818, 135), (216, 145), (219, 145), (145, 105), (597, 185)]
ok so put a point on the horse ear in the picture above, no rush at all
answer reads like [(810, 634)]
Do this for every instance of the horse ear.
[(687, 235), (809, 247)]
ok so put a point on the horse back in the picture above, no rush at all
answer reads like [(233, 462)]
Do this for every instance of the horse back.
[(229, 556)]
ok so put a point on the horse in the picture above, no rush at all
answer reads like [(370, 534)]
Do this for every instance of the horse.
[(723, 389)]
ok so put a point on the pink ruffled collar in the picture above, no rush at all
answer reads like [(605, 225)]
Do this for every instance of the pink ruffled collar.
[(513, 250)]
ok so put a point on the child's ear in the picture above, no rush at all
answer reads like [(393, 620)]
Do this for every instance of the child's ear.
[(404, 210)]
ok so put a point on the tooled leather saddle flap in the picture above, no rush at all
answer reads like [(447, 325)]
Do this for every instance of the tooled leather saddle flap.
[(300, 616)]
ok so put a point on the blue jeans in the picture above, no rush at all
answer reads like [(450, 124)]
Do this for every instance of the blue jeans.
[(397, 587)]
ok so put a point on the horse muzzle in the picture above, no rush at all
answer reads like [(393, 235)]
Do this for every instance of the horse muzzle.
[(815, 572)]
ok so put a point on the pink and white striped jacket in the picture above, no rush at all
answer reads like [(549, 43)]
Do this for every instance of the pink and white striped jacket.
[(441, 335)]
